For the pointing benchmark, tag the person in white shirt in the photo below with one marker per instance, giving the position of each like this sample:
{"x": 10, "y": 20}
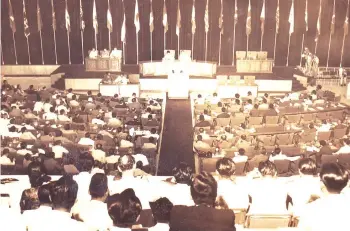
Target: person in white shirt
{"x": 51, "y": 115}
{"x": 277, "y": 155}
{"x": 5, "y": 159}
{"x": 215, "y": 99}
{"x": 99, "y": 154}
{"x": 59, "y": 150}
{"x": 235, "y": 196}
{"x": 63, "y": 196}
{"x": 286, "y": 98}
{"x": 126, "y": 143}
{"x": 345, "y": 149}
{"x": 94, "y": 213}
{"x": 86, "y": 140}
{"x": 23, "y": 151}
{"x": 47, "y": 106}
{"x": 325, "y": 127}
{"x": 331, "y": 211}
{"x": 69, "y": 94}
{"x": 86, "y": 162}
{"x": 38, "y": 106}
{"x": 98, "y": 120}
{"x": 63, "y": 117}
{"x": 154, "y": 105}
{"x": 161, "y": 209}
{"x": 248, "y": 107}
{"x": 151, "y": 144}
{"x": 200, "y": 145}
{"x": 74, "y": 102}
{"x": 115, "y": 53}
{"x": 200, "y": 100}
{"x": 93, "y": 54}
{"x": 13, "y": 132}
{"x": 26, "y": 135}
{"x": 240, "y": 156}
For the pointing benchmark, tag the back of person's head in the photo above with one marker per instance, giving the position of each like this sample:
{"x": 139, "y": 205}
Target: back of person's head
{"x": 87, "y": 135}
{"x": 64, "y": 193}
{"x": 271, "y": 106}
{"x": 250, "y": 101}
{"x": 237, "y": 95}
{"x": 225, "y": 167}
{"x": 151, "y": 140}
{"x": 267, "y": 168}
{"x": 323, "y": 143}
{"x": 98, "y": 187}
{"x": 263, "y": 151}
{"x": 334, "y": 176}
{"x": 86, "y": 162}
{"x": 256, "y": 106}
{"x": 307, "y": 166}
{"x": 238, "y": 102}
{"x": 223, "y": 109}
{"x": 67, "y": 127}
{"x": 150, "y": 117}
{"x": 52, "y": 109}
{"x": 204, "y": 189}
{"x": 199, "y": 96}
{"x": 161, "y": 210}
{"x": 201, "y": 117}
{"x": 126, "y": 162}
{"x": 264, "y": 100}
{"x": 36, "y": 174}
{"x": 219, "y": 104}
{"x": 199, "y": 137}
{"x": 29, "y": 199}
{"x": 124, "y": 208}
{"x": 99, "y": 146}
{"x": 277, "y": 151}
{"x": 23, "y": 145}
{"x": 183, "y": 173}
{"x": 347, "y": 141}
{"x": 50, "y": 155}
{"x": 44, "y": 194}
{"x": 153, "y": 131}
{"x": 243, "y": 137}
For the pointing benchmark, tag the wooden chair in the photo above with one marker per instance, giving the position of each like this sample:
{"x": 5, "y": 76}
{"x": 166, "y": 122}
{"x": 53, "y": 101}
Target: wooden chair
{"x": 324, "y": 135}
{"x": 284, "y": 139}
{"x": 293, "y": 119}
{"x": 344, "y": 159}
{"x": 240, "y": 168}
{"x": 339, "y": 133}
{"x": 308, "y": 118}
{"x": 271, "y": 120}
{"x": 223, "y": 122}
{"x": 328, "y": 159}
{"x": 282, "y": 166}
{"x": 255, "y": 120}
{"x": 208, "y": 164}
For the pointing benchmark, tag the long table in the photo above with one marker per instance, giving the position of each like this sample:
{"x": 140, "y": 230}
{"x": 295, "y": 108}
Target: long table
{"x": 125, "y": 90}
{"x": 254, "y": 66}
{"x": 162, "y": 68}
{"x": 103, "y": 64}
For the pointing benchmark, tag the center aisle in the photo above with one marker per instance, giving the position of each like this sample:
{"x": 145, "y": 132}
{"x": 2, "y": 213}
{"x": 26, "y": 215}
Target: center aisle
{"x": 177, "y": 139}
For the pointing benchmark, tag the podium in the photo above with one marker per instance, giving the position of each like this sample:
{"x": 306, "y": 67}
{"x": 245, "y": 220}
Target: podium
{"x": 178, "y": 81}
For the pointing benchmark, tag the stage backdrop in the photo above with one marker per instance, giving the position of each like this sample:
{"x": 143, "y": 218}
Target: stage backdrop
{"x": 208, "y": 47}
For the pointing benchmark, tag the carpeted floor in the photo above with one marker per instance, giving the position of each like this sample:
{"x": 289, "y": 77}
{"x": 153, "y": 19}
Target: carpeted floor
{"x": 177, "y": 137}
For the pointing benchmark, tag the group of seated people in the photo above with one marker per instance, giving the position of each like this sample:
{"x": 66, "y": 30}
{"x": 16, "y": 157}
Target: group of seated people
{"x": 186, "y": 201}
{"x": 93, "y": 54}
{"x": 56, "y": 127}
{"x": 223, "y": 127}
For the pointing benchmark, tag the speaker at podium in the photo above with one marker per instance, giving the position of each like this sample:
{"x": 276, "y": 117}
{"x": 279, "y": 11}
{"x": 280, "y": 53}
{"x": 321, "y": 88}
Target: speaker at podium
{"x": 178, "y": 82}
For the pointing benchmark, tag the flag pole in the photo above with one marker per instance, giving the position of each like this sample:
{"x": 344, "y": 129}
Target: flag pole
{"x": 192, "y": 46}
{"x": 261, "y": 42}
{"x": 151, "y": 35}
{"x": 220, "y": 50}
{"x": 14, "y": 46}
{"x": 302, "y": 47}
{"x": 137, "y": 48}
{"x": 342, "y": 48}
{"x": 288, "y": 50}
{"x": 206, "y": 45}
{"x": 2, "y": 55}
{"x": 68, "y": 47}
{"x": 330, "y": 34}
{"x": 233, "y": 45}
{"x": 95, "y": 40}
{"x": 276, "y": 32}
{"x": 54, "y": 30}
{"x": 247, "y": 42}
{"x": 124, "y": 52}
{"x": 41, "y": 46}
{"x": 28, "y": 50}
{"x": 82, "y": 45}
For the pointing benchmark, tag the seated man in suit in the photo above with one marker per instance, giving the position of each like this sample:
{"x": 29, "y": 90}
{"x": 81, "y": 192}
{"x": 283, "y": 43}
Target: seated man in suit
{"x": 331, "y": 211}
{"x": 203, "y": 216}
{"x": 255, "y": 111}
{"x": 324, "y": 150}
{"x": 223, "y": 113}
{"x": 270, "y": 111}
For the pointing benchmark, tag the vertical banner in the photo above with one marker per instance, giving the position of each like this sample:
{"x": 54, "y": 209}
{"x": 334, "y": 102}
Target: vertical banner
{"x": 165, "y": 23}
{"x": 306, "y": 29}
{"x": 151, "y": 27}
{"x": 40, "y": 26}
{"x": 82, "y": 27}
{"x": 221, "y": 26}
{"x": 332, "y": 32}
{"x": 178, "y": 26}
{"x": 206, "y": 23}
{"x": 54, "y": 28}
{"x": 13, "y": 28}
{"x": 194, "y": 26}
{"x": 291, "y": 28}
{"x": 95, "y": 22}
{"x": 248, "y": 25}
{"x": 137, "y": 27}
{"x": 262, "y": 26}
{"x": 109, "y": 25}
{"x": 235, "y": 18}
{"x": 67, "y": 19}
{"x": 277, "y": 28}
{"x": 346, "y": 32}
{"x": 123, "y": 33}
{"x": 318, "y": 27}
{"x": 26, "y": 29}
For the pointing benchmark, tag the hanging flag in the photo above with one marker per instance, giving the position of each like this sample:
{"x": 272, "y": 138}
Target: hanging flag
{"x": 346, "y": 26}
{"x": 262, "y": 18}
{"x": 67, "y": 19}
{"x": 178, "y": 19}
{"x": 248, "y": 26}
{"x": 206, "y": 18}
{"x": 94, "y": 18}
{"x": 318, "y": 26}
{"x": 306, "y": 16}
{"x": 151, "y": 19}
{"x": 333, "y": 20}
{"x": 123, "y": 30}
{"x": 291, "y": 19}
{"x": 165, "y": 18}
{"x": 221, "y": 19}
{"x": 109, "y": 19}
{"x": 53, "y": 16}
{"x": 25, "y": 21}
{"x": 193, "y": 19}
{"x": 137, "y": 17}
{"x": 236, "y": 13}
{"x": 12, "y": 18}
{"x": 82, "y": 22}
{"x": 38, "y": 15}
{"x": 278, "y": 17}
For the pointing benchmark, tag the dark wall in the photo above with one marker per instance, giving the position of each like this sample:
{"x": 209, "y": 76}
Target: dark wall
{"x": 213, "y": 38}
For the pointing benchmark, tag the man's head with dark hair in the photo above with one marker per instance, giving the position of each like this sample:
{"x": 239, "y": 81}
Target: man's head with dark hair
{"x": 277, "y": 151}
{"x": 44, "y": 194}
{"x": 223, "y": 109}
{"x": 334, "y": 176}
{"x": 64, "y": 193}
{"x": 204, "y": 189}
{"x": 29, "y": 200}
{"x": 23, "y": 145}
{"x": 201, "y": 117}
{"x": 86, "y": 162}
{"x": 199, "y": 137}
{"x": 219, "y": 104}
{"x": 323, "y": 143}
{"x": 126, "y": 162}
{"x": 241, "y": 151}
{"x": 237, "y": 96}
{"x": 307, "y": 166}
{"x": 267, "y": 168}
{"x": 124, "y": 208}
{"x": 183, "y": 173}
{"x": 256, "y": 106}
{"x": 36, "y": 174}
{"x": 264, "y": 100}
{"x": 225, "y": 167}
{"x": 161, "y": 210}
{"x": 238, "y": 102}
{"x": 271, "y": 106}
{"x": 98, "y": 187}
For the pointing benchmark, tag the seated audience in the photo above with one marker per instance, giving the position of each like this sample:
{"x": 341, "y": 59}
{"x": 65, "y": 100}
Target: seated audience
{"x": 161, "y": 209}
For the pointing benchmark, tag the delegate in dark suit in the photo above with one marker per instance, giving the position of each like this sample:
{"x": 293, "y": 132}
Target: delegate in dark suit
{"x": 201, "y": 218}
